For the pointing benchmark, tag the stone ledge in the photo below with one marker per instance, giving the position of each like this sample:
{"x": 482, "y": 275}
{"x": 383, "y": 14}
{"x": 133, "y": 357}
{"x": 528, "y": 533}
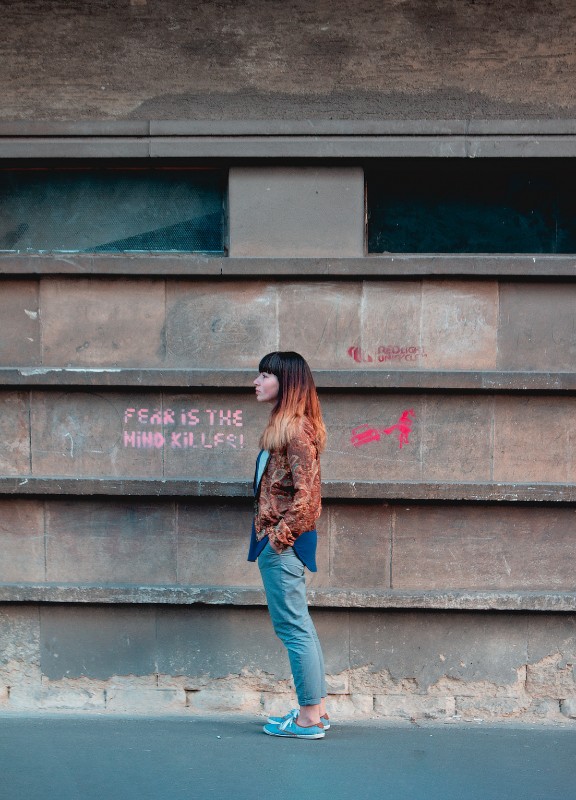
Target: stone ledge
{"x": 374, "y": 378}
{"x": 383, "y": 491}
{"x": 451, "y": 600}
{"x": 287, "y": 127}
{"x": 373, "y": 266}
{"x": 292, "y": 144}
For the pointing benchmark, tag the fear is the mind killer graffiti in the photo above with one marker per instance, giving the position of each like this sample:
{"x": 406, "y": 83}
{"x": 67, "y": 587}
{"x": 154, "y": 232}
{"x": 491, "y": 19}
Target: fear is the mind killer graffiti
{"x": 183, "y": 428}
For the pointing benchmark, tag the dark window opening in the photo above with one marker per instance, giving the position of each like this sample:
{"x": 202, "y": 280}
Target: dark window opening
{"x": 111, "y": 209}
{"x": 472, "y": 206}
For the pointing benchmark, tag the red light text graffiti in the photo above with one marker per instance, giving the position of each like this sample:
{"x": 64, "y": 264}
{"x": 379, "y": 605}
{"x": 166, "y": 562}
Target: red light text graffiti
{"x": 386, "y": 353}
{"x": 364, "y": 434}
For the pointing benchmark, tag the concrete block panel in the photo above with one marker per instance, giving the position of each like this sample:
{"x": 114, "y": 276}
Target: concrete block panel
{"x": 19, "y": 323}
{"x": 471, "y": 547}
{"x": 357, "y": 442}
{"x": 200, "y": 435}
{"x": 456, "y": 436}
{"x": 85, "y": 433}
{"x": 319, "y": 320}
{"x": 296, "y": 211}
{"x": 229, "y": 325}
{"x": 459, "y": 322}
{"x": 333, "y": 627}
{"x": 111, "y": 541}
{"x": 95, "y": 323}
{"x": 213, "y": 544}
{"x": 21, "y": 540}
{"x": 391, "y": 327}
{"x": 537, "y": 328}
{"x": 426, "y": 647}
{"x": 97, "y": 642}
{"x": 360, "y": 545}
{"x": 144, "y": 700}
{"x": 52, "y": 697}
{"x": 218, "y": 642}
{"x": 19, "y": 641}
{"x": 14, "y": 433}
{"x": 415, "y": 325}
{"x": 557, "y": 636}
{"x": 534, "y": 439}
{"x": 552, "y": 657}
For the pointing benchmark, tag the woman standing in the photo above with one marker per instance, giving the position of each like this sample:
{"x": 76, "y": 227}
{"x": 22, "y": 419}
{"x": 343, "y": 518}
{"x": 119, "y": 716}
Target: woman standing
{"x": 287, "y": 505}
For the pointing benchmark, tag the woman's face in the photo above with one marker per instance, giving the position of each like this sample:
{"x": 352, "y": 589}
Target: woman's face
{"x": 267, "y": 387}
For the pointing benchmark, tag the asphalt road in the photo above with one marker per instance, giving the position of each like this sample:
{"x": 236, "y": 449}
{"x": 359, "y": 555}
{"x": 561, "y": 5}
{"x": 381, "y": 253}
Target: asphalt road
{"x": 120, "y": 758}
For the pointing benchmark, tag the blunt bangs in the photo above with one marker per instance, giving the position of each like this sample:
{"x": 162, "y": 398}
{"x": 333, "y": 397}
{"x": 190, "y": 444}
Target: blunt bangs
{"x": 271, "y": 363}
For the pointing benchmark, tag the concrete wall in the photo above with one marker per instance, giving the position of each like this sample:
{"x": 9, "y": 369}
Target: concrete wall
{"x": 129, "y": 430}
{"x": 405, "y": 664}
{"x": 252, "y": 59}
{"x": 128, "y": 426}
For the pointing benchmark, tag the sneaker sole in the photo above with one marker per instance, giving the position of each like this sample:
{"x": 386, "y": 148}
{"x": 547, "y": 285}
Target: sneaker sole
{"x": 296, "y": 735}
{"x": 277, "y": 722}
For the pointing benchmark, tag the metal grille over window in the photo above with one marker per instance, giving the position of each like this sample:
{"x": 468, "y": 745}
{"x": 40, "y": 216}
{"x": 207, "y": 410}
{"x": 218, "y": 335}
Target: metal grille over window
{"x": 472, "y": 206}
{"x": 111, "y": 210}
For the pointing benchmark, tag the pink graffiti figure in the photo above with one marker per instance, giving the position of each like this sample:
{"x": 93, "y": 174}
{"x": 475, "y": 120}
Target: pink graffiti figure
{"x": 363, "y": 434}
{"x": 403, "y": 426}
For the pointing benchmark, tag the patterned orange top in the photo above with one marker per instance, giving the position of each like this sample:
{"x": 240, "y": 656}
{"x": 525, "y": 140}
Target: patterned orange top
{"x": 288, "y": 502}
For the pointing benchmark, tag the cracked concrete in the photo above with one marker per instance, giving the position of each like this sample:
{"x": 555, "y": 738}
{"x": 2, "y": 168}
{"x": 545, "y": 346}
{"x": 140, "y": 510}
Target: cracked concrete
{"x": 354, "y": 693}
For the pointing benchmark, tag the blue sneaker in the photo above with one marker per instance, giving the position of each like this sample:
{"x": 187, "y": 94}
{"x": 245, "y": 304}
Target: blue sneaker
{"x": 293, "y": 714}
{"x": 292, "y": 730}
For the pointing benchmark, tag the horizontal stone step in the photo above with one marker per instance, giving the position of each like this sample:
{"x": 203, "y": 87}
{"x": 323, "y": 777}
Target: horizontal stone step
{"x": 280, "y": 145}
{"x": 491, "y": 492}
{"x": 371, "y": 266}
{"x": 374, "y": 378}
{"x": 286, "y": 127}
{"x": 321, "y": 598}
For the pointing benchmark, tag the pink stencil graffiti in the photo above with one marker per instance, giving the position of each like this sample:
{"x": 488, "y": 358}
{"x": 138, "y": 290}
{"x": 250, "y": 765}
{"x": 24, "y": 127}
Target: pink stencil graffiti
{"x": 182, "y": 440}
{"x": 186, "y": 416}
{"x": 364, "y": 434}
{"x": 175, "y": 427}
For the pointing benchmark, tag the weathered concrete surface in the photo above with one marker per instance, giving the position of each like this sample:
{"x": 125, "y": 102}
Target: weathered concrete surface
{"x": 181, "y": 265}
{"x": 364, "y": 549}
{"x": 397, "y": 664}
{"x": 254, "y": 59}
{"x": 116, "y": 594}
{"x": 380, "y": 436}
{"x": 374, "y": 324}
{"x": 557, "y": 383}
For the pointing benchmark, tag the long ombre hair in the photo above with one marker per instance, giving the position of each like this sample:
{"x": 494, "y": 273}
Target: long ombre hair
{"x": 297, "y": 398}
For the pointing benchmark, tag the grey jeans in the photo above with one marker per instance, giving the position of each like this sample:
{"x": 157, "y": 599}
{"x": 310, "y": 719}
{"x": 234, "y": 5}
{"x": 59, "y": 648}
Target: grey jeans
{"x": 285, "y": 587}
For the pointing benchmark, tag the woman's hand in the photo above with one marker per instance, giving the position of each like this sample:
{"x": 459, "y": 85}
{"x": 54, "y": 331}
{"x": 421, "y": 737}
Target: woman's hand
{"x": 278, "y": 548}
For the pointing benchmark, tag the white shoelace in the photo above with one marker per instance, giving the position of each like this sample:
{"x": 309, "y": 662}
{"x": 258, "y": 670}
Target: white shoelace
{"x": 289, "y": 717}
